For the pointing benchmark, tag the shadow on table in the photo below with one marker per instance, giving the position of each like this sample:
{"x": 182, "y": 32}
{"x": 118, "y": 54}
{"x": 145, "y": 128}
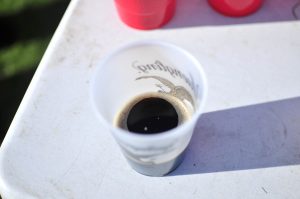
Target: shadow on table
{"x": 191, "y": 13}
{"x": 257, "y": 136}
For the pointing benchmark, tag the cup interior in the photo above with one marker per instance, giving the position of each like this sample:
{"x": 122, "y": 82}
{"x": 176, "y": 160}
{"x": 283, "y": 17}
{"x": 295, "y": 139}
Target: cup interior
{"x": 147, "y": 67}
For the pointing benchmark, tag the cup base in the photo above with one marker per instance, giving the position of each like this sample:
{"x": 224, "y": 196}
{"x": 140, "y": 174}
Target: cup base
{"x": 236, "y": 8}
{"x": 146, "y": 21}
{"x": 158, "y": 170}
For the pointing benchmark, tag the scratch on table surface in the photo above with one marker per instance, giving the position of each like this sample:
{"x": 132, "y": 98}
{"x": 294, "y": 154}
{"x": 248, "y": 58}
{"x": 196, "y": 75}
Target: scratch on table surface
{"x": 74, "y": 160}
{"x": 285, "y": 131}
{"x": 63, "y": 190}
{"x": 101, "y": 181}
{"x": 102, "y": 177}
{"x": 12, "y": 171}
{"x": 61, "y": 59}
{"x": 264, "y": 190}
{"x": 75, "y": 112}
{"x": 35, "y": 106}
{"x": 195, "y": 191}
{"x": 92, "y": 61}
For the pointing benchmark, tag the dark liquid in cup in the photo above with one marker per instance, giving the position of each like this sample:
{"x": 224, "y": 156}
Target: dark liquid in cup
{"x": 151, "y": 114}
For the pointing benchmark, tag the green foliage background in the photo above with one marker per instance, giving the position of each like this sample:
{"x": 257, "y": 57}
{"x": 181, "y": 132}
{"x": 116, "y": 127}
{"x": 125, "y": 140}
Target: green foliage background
{"x": 26, "y": 27}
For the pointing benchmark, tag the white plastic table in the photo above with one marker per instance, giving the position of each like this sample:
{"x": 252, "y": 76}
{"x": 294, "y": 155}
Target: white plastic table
{"x": 246, "y": 145}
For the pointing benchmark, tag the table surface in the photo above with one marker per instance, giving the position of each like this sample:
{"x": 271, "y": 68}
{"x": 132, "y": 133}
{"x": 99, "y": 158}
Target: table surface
{"x": 246, "y": 144}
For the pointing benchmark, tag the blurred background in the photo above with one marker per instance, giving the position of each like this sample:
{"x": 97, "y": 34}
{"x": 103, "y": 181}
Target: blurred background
{"x": 26, "y": 27}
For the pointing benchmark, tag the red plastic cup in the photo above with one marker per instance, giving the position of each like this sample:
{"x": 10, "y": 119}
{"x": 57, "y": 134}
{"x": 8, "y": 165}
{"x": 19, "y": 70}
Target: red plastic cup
{"x": 236, "y": 8}
{"x": 145, "y": 14}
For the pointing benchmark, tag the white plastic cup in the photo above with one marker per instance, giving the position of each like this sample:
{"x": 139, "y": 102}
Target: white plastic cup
{"x": 149, "y": 67}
